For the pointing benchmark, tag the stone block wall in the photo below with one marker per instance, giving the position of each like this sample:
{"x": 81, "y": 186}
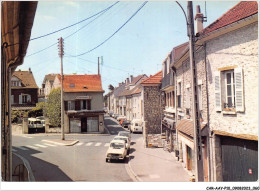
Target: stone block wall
{"x": 152, "y": 111}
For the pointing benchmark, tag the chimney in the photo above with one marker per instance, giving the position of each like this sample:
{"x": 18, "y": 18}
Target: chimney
{"x": 30, "y": 70}
{"x": 127, "y": 80}
{"x": 199, "y": 20}
{"x": 131, "y": 78}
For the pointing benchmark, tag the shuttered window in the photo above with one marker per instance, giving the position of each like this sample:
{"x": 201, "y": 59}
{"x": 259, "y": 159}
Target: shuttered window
{"x": 232, "y": 96}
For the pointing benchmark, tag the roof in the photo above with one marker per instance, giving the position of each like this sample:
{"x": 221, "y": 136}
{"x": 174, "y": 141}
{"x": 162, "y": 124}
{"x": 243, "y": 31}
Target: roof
{"x": 155, "y": 79}
{"x": 27, "y": 79}
{"x": 240, "y": 11}
{"x": 137, "y": 78}
{"x": 186, "y": 126}
{"x": 82, "y": 83}
{"x": 118, "y": 90}
{"x": 49, "y": 77}
{"x": 179, "y": 50}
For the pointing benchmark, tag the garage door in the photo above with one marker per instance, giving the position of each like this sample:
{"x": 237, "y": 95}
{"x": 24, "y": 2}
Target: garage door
{"x": 75, "y": 125}
{"x": 239, "y": 159}
{"x": 92, "y": 124}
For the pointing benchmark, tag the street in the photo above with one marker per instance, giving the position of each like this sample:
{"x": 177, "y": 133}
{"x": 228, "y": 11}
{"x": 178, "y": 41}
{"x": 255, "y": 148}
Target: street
{"x": 84, "y": 161}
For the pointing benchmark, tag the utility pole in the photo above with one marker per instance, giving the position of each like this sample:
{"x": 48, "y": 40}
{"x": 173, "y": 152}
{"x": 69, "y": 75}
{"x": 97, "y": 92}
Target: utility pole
{"x": 196, "y": 114}
{"x": 61, "y": 53}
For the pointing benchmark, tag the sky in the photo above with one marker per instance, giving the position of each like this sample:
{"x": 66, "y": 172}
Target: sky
{"x": 138, "y": 48}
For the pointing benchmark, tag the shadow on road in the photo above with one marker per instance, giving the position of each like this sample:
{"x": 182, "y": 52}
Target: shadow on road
{"x": 133, "y": 143}
{"x": 131, "y": 150}
{"x": 113, "y": 126}
{"x": 42, "y": 170}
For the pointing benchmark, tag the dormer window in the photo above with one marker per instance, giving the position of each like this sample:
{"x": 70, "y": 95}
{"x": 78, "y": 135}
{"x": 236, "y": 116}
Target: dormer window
{"x": 85, "y": 87}
{"x": 15, "y": 83}
{"x": 72, "y": 85}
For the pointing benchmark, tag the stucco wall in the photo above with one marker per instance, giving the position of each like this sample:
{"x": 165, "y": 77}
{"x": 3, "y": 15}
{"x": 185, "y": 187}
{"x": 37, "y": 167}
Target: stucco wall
{"x": 96, "y": 101}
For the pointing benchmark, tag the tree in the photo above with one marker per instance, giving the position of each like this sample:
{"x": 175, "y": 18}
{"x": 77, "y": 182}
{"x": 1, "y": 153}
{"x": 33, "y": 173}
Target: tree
{"x": 110, "y": 87}
{"x": 54, "y": 107}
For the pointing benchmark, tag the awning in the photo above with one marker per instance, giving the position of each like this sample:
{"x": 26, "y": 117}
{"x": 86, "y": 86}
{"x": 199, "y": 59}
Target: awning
{"x": 186, "y": 126}
{"x": 239, "y": 136}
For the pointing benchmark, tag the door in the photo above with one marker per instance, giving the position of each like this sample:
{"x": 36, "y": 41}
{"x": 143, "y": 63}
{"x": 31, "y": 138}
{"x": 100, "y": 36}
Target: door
{"x": 205, "y": 158}
{"x": 189, "y": 157}
{"x": 84, "y": 124}
{"x": 92, "y": 124}
{"x": 75, "y": 125}
{"x": 239, "y": 159}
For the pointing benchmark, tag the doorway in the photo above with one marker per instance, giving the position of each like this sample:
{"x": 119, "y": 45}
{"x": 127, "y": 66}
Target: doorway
{"x": 84, "y": 124}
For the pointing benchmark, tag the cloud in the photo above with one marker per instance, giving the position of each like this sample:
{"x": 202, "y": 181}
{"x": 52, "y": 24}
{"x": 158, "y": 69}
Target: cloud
{"x": 71, "y": 3}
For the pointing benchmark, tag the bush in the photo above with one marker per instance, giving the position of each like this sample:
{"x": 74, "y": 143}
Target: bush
{"x": 53, "y": 108}
{"x": 16, "y": 115}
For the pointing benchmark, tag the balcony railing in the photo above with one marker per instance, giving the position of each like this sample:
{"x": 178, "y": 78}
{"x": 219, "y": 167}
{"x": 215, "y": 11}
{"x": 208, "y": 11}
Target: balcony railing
{"x": 167, "y": 80}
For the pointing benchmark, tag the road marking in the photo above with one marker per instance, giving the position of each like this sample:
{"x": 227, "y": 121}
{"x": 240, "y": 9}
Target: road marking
{"x": 154, "y": 176}
{"x": 50, "y": 145}
{"x": 79, "y": 144}
{"x": 27, "y": 137}
{"x": 97, "y": 144}
{"x": 23, "y": 148}
{"x": 38, "y": 145}
{"x": 14, "y": 150}
{"x": 88, "y": 144}
{"x": 32, "y": 147}
{"x": 107, "y": 144}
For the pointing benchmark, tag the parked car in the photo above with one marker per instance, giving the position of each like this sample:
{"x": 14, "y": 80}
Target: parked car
{"x": 111, "y": 113}
{"x": 42, "y": 120}
{"x": 115, "y": 115}
{"x": 136, "y": 126}
{"x": 125, "y": 134}
{"x": 117, "y": 150}
{"x": 119, "y": 118}
{"x": 35, "y": 125}
{"x": 126, "y": 139}
{"x": 126, "y": 123}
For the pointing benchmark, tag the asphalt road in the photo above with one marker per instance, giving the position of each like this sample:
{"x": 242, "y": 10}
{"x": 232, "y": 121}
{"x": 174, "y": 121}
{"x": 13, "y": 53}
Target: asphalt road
{"x": 85, "y": 161}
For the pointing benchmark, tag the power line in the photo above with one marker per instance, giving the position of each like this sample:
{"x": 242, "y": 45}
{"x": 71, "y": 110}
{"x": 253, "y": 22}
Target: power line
{"x": 113, "y": 33}
{"x": 74, "y": 32}
{"x": 69, "y": 25}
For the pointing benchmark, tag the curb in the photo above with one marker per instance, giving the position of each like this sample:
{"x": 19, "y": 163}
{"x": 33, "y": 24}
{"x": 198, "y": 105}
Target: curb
{"x": 132, "y": 172}
{"x": 64, "y": 144}
{"x": 27, "y": 166}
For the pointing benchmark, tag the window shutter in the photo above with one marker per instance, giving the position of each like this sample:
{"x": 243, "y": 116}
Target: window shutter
{"x": 81, "y": 104}
{"x": 20, "y": 99}
{"x": 239, "y": 89}
{"x": 29, "y": 98}
{"x": 217, "y": 92}
{"x": 66, "y": 105}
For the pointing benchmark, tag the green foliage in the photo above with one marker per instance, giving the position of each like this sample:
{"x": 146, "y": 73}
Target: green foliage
{"x": 43, "y": 106}
{"x": 16, "y": 116}
{"x": 54, "y": 107}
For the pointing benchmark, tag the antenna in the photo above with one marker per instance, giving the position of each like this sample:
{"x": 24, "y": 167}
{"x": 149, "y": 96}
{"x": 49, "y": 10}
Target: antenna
{"x": 205, "y": 18}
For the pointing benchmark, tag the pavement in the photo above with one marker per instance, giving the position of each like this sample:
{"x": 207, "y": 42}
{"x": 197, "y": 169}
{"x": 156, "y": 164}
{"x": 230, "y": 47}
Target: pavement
{"x": 155, "y": 164}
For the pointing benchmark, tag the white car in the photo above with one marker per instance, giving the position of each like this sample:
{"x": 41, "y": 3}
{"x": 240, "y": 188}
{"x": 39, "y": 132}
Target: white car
{"x": 125, "y": 134}
{"x": 126, "y": 139}
{"x": 117, "y": 150}
{"x": 136, "y": 126}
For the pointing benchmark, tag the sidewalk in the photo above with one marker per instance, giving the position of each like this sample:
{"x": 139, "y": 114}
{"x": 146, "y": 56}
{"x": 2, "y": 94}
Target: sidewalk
{"x": 155, "y": 164}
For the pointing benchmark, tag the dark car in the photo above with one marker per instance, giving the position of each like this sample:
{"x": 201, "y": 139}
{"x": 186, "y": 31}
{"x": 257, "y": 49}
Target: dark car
{"x": 126, "y": 123}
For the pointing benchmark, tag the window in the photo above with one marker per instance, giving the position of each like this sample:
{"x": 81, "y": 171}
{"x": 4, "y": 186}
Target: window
{"x": 179, "y": 94}
{"x": 15, "y": 83}
{"x": 24, "y": 98}
{"x": 229, "y": 87}
{"x": 188, "y": 96}
{"x": 71, "y": 105}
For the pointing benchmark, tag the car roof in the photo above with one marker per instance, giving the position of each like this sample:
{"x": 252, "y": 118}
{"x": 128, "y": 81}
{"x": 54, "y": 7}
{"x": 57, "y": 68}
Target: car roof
{"x": 117, "y": 141}
{"x": 119, "y": 137}
{"x": 124, "y": 132}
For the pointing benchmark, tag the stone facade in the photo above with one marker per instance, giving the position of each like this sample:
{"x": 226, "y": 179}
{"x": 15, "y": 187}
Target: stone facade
{"x": 153, "y": 109}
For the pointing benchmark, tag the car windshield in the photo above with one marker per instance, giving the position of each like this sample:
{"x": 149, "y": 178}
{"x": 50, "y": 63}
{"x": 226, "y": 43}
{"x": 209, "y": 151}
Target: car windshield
{"x": 121, "y": 138}
{"x": 37, "y": 122}
{"x": 117, "y": 145}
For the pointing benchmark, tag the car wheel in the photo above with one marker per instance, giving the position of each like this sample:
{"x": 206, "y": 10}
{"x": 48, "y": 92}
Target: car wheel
{"x": 106, "y": 160}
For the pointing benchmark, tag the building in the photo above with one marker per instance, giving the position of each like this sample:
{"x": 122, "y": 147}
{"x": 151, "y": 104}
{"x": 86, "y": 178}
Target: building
{"x": 152, "y": 106}
{"x": 17, "y": 20}
{"x": 83, "y": 103}
{"x": 227, "y": 84}
{"x": 24, "y": 90}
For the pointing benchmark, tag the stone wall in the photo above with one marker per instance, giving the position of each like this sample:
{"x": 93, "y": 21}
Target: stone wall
{"x": 152, "y": 113}
{"x": 238, "y": 48}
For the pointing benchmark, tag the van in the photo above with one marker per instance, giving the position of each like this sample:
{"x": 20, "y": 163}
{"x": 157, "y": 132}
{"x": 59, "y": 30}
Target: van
{"x": 136, "y": 126}
{"x": 35, "y": 125}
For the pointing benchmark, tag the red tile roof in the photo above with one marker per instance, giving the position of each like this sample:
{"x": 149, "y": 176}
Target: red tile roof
{"x": 27, "y": 79}
{"x": 240, "y": 11}
{"x": 82, "y": 83}
{"x": 155, "y": 79}
{"x": 186, "y": 126}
